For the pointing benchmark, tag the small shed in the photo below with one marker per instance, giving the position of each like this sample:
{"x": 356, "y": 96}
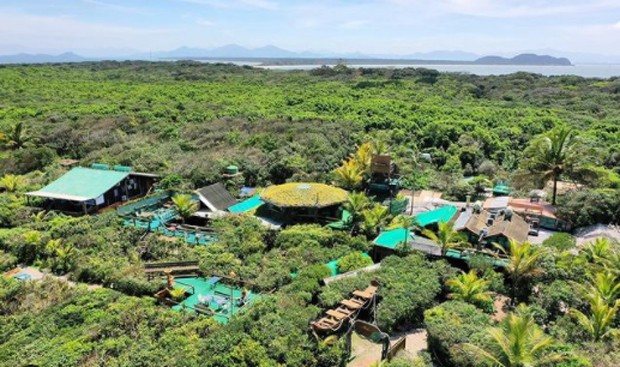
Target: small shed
{"x": 214, "y": 198}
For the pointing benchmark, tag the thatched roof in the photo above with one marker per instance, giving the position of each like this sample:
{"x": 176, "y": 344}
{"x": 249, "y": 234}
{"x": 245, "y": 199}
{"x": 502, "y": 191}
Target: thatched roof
{"x": 303, "y": 194}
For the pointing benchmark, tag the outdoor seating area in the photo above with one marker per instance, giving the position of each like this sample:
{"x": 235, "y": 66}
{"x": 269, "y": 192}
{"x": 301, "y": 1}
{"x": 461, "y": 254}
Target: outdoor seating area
{"x": 214, "y": 296}
{"x": 157, "y": 214}
{"x": 348, "y": 309}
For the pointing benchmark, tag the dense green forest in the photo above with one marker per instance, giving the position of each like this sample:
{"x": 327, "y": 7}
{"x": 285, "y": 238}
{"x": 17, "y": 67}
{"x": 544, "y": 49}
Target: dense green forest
{"x": 186, "y": 121}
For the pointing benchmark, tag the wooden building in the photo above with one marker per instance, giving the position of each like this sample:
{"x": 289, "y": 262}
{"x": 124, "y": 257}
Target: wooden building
{"x": 87, "y": 190}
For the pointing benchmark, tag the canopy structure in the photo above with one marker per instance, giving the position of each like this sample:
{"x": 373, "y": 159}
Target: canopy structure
{"x": 392, "y": 238}
{"x": 304, "y": 195}
{"x": 247, "y": 205}
{"x": 441, "y": 215}
{"x": 501, "y": 189}
{"x": 81, "y": 184}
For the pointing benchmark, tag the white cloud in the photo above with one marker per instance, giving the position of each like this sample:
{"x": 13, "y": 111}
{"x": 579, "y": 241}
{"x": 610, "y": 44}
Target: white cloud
{"x": 617, "y": 25}
{"x": 66, "y": 33}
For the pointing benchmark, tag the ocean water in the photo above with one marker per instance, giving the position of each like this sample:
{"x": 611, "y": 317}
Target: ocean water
{"x": 584, "y": 70}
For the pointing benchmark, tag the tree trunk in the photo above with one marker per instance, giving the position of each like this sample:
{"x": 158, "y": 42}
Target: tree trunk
{"x": 555, "y": 189}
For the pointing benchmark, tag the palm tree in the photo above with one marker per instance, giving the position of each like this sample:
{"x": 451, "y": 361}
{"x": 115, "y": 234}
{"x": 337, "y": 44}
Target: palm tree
{"x": 522, "y": 264}
{"x": 177, "y": 293}
{"x": 379, "y": 146}
{"x": 38, "y": 217}
{"x": 601, "y": 318}
{"x": 350, "y": 175}
{"x": 356, "y": 203}
{"x": 363, "y": 157}
{"x": 52, "y": 245}
{"x": 403, "y": 221}
{"x": 470, "y": 288}
{"x": 17, "y": 137}
{"x": 612, "y": 263}
{"x": 185, "y": 205}
{"x": 12, "y": 183}
{"x": 374, "y": 218}
{"x": 446, "y": 237}
{"x": 63, "y": 255}
{"x": 554, "y": 154}
{"x": 597, "y": 250}
{"x": 517, "y": 342}
{"x": 605, "y": 284}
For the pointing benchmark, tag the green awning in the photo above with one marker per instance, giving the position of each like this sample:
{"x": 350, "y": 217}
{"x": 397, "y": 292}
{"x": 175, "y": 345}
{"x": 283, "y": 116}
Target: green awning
{"x": 81, "y": 184}
{"x": 390, "y": 239}
{"x": 443, "y": 214}
{"x": 247, "y": 205}
{"x": 501, "y": 189}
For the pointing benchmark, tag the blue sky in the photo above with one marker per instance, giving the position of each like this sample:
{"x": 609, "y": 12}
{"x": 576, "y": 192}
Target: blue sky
{"x": 96, "y": 27}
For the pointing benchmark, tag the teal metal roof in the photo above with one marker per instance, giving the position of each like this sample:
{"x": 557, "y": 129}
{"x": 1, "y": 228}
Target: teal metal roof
{"x": 501, "y": 189}
{"x": 247, "y": 205}
{"x": 443, "y": 214}
{"x": 81, "y": 184}
{"x": 390, "y": 239}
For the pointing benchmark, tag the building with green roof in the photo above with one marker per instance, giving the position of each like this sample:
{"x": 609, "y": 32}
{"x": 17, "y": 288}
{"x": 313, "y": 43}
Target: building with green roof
{"x": 440, "y": 215}
{"x": 86, "y": 190}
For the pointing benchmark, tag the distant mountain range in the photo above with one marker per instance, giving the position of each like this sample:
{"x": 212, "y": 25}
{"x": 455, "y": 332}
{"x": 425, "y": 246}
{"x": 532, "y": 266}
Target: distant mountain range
{"x": 523, "y": 59}
{"x": 41, "y": 58}
{"x": 235, "y": 52}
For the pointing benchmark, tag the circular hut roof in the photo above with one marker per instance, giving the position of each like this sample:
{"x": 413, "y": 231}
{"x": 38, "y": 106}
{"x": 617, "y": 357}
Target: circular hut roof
{"x": 303, "y": 194}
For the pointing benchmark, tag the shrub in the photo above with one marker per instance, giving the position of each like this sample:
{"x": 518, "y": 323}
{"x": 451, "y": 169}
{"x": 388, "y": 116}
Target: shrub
{"x": 560, "y": 241}
{"x": 353, "y": 261}
{"x": 449, "y": 326}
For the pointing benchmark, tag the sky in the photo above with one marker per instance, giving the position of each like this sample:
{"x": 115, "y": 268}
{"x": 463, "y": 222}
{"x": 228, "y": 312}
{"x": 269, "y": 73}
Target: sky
{"x": 398, "y": 27}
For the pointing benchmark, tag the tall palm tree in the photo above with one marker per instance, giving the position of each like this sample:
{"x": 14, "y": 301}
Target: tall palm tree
{"x": 523, "y": 263}
{"x": 12, "y": 183}
{"x": 517, "y": 342}
{"x": 602, "y": 315}
{"x": 550, "y": 156}
{"x": 446, "y": 237}
{"x": 356, "y": 203}
{"x": 185, "y": 205}
{"x": 350, "y": 175}
{"x": 470, "y": 288}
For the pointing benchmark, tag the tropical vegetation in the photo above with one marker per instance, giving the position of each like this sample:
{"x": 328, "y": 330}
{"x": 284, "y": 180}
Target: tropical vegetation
{"x": 186, "y": 121}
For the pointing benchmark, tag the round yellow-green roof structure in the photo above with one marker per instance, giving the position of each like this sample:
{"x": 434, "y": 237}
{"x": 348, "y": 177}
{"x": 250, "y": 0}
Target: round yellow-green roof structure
{"x": 304, "y": 195}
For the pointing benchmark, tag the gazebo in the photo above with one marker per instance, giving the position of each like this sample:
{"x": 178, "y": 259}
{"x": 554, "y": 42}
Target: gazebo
{"x": 304, "y": 201}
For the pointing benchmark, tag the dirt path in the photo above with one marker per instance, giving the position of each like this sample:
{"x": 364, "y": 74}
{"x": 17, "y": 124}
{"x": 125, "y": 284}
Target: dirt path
{"x": 36, "y": 274}
{"x": 500, "y": 303}
{"x": 363, "y": 351}
{"x": 416, "y": 341}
